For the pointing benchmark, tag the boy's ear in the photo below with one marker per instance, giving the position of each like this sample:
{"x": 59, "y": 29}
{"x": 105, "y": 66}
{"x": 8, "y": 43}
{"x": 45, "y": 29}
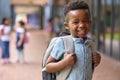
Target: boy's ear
{"x": 66, "y": 25}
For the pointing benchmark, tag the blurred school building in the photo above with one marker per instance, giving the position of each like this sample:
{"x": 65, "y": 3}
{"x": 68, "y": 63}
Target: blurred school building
{"x": 105, "y": 18}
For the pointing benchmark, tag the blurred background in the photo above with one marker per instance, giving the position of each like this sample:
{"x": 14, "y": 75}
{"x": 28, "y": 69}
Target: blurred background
{"x": 36, "y": 14}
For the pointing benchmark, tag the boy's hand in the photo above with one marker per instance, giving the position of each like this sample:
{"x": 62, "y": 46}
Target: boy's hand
{"x": 69, "y": 59}
{"x": 96, "y": 59}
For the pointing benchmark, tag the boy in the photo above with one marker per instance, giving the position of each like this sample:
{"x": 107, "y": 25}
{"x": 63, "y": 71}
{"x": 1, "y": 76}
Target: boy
{"x": 78, "y": 22}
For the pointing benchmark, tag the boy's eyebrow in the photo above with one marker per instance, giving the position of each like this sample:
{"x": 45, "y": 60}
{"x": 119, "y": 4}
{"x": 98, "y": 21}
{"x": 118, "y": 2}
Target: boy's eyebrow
{"x": 86, "y": 18}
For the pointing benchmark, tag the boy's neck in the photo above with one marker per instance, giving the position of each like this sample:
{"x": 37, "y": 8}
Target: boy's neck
{"x": 81, "y": 37}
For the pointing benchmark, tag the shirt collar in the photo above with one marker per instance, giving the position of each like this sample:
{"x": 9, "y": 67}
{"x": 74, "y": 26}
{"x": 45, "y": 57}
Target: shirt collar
{"x": 79, "y": 40}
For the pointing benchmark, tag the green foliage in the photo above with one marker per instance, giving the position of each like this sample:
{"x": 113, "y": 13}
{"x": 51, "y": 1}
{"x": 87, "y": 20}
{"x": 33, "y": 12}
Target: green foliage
{"x": 116, "y": 36}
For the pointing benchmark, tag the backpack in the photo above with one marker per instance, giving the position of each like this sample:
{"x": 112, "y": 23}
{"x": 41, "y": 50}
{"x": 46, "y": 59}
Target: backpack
{"x": 68, "y": 44}
{"x": 26, "y": 37}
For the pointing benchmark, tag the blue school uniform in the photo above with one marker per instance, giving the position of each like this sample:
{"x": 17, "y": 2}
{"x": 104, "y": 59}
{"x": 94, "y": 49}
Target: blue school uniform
{"x": 82, "y": 69}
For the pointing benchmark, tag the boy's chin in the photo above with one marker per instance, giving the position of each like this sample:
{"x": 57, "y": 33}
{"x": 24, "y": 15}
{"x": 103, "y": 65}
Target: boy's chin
{"x": 81, "y": 36}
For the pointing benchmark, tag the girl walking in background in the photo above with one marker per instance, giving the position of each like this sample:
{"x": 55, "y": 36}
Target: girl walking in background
{"x": 5, "y": 35}
{"x": 20, "y": 35}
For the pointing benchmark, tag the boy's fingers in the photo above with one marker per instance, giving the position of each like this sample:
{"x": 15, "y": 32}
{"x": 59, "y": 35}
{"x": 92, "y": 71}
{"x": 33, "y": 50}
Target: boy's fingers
{"x": 97, "y": 63}
{"x": 68, "y": 54}
{"x": 72, "y": 54}
{"x": 74, "y": 57}
{"x": 96, "y": 56}
{"x": 65, "y": 54}
{"x": 96, "y": 59}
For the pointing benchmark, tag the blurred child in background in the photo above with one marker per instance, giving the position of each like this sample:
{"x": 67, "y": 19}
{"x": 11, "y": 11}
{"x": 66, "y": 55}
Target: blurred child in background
{"x": 20, "y": 36}
{"x": 5, "y": 35}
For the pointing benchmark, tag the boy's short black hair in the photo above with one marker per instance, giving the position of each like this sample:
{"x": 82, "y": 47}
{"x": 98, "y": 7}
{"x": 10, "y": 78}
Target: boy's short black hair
{"x": 75, "y": 5}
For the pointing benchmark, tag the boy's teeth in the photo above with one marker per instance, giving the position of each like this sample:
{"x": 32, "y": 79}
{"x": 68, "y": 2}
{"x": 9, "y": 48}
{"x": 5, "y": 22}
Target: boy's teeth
{"x": 81, "y": 30}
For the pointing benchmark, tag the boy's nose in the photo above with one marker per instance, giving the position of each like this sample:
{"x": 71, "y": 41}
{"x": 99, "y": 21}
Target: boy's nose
{"x": 81, "y": 25}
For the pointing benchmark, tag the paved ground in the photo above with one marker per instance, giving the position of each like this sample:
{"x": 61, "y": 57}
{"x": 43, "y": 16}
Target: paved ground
{"x": 109, "y": 69}
{"x": 116, "y": 49}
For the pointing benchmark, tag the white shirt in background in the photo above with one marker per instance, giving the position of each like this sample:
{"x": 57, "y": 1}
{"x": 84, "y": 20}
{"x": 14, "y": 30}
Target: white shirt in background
{"x": 5, "y": 36}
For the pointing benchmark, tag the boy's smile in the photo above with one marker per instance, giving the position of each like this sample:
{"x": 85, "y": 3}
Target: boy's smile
{"x": 78, "y": 22}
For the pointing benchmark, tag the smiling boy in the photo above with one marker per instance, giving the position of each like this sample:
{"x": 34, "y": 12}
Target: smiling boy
{"x": 78, "y": 22}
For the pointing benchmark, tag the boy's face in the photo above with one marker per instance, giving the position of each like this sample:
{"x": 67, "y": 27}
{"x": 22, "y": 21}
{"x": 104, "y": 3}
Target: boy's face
{"x": 78, "y": 22}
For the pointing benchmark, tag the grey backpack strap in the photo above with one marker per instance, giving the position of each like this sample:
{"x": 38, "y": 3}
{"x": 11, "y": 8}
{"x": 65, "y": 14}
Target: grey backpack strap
{"x": 68, "y": 44}
{"x": 92, "y": 45}
{"x": 47, "y": 53}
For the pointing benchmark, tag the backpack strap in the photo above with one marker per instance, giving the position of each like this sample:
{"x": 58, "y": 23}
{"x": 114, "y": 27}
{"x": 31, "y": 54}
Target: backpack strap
{"x": 68, "y": 43}
{"x": 92, "y": 45}
{"x": 69, "y": 46}
{"x": 47, "y": 54}
{"x": 94, "y": 50}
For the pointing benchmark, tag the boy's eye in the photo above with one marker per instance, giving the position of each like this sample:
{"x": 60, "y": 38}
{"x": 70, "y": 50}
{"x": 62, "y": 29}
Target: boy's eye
{"x": 75, "y": 22}
{"x": 85, "y": 21}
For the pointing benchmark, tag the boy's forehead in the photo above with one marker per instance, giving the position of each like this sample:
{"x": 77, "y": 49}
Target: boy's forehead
{"x": 79, "y": 13}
